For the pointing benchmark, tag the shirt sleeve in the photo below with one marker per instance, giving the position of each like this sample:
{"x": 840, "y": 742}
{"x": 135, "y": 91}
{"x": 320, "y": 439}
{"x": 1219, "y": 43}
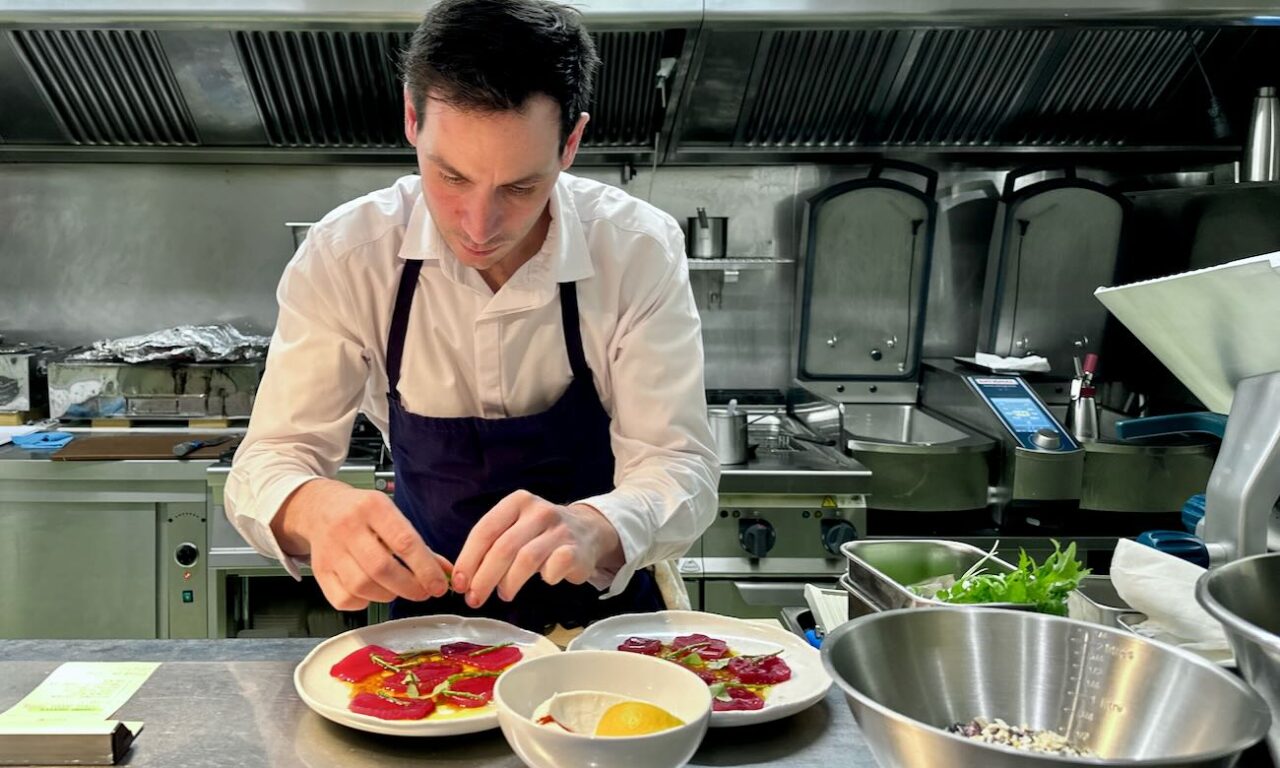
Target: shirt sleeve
{"x": 666, "y": 471}
{"x": 299, "y": 430}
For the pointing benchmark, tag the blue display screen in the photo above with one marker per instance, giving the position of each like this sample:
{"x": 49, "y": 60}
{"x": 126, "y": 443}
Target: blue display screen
{"x": 1022, "y": 413}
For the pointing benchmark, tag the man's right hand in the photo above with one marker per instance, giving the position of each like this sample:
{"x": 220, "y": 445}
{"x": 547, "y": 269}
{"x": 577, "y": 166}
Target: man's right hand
{"x": 354, "y": 538}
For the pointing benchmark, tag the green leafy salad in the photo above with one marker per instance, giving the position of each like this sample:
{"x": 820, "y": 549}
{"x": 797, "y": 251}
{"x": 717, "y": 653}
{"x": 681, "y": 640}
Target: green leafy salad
{"x": 1043, "y": 586}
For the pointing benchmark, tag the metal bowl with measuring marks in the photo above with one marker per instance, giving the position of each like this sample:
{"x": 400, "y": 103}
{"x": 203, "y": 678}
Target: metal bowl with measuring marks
{"x": 909, "y": 674}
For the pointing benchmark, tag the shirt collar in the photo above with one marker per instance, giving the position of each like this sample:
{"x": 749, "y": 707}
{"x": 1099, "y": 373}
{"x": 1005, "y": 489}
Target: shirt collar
{"x": 564, "y": 256}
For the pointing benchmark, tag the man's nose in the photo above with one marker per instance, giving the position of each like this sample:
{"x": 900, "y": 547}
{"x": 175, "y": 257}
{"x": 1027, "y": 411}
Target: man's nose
{"x": 481, "y": 221}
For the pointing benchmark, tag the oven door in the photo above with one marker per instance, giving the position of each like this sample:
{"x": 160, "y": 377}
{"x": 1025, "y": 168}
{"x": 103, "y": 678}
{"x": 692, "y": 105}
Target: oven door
{"x": 253, "y": 596}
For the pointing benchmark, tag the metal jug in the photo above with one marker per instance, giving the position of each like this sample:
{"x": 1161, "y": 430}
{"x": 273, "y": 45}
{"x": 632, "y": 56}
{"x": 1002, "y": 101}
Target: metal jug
{"x": 1262, "y": 148}
{"x": 707, "y": 235}
{"x": 729, "y": 427}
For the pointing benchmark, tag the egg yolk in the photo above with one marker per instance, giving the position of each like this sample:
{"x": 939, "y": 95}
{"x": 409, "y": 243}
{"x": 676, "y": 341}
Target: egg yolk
{"x": 635, "y": 718}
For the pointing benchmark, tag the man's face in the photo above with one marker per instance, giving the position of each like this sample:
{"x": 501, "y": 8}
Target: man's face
{"x": 487, "y": 176}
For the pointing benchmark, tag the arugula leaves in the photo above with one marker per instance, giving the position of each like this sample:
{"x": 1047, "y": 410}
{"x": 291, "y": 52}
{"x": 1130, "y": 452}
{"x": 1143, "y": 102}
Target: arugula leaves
{"x": 1044, "y": 586}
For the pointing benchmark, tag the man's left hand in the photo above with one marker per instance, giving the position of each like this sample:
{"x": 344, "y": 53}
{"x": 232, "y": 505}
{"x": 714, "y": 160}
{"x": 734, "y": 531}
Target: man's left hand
{"x": 525, "y": 534}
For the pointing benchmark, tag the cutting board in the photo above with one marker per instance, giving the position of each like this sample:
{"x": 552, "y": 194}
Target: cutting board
{"x": 155, "y": 445}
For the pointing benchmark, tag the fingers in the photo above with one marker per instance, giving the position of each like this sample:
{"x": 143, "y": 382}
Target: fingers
{"x": 562, "y": 565}
{"x": 378, "y": 573}
{"x": 368, "y": 552}
{"x": 336, "y": 594}
{"x": 358, "y": 583}
{"x": 528, "y": 561}
{"x": 423, "y": 573}
{"x": 483, "y": 535}
{"x": 502, "y": 556}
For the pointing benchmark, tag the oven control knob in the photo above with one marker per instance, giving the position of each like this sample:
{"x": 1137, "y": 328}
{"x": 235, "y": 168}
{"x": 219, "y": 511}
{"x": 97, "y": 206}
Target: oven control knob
{"x": 757, "y": 537}
{"x": 837, "y": 534}
{"x": 187, "y": 554}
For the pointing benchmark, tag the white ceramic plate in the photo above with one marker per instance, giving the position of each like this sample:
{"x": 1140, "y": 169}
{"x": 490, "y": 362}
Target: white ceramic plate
{"x": 329, "y": 696}
{"x": 809, "y": 680}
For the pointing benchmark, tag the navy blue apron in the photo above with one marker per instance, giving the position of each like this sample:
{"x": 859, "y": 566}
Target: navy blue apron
{"x": 451, "y": 471}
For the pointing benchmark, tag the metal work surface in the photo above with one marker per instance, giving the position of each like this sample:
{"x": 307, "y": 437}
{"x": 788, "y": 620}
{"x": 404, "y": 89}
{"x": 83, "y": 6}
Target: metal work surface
{"x": 232, "y": 702}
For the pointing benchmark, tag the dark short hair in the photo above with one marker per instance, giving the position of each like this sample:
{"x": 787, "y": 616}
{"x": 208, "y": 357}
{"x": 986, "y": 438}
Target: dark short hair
{"x": 492, "y": 55}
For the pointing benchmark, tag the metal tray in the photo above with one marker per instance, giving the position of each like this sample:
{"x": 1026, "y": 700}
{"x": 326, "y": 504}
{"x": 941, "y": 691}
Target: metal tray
{"x": 881, "y": 569}
{"x": 860, "y": 604}
{"x": 1096, "y": 601}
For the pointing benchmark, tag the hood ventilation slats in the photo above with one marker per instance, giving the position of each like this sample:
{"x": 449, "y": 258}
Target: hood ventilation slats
{"x": 964, "y": 86}
{"x": 960, "y": 87}
{"x": 1106, "y": 75}
{"x": 108, "y": 87}
{"x": 326, "y": 89}
{"x": 798, "y": 106}
{"x": 626, "y": 108}
{"x": 342, "y": 89}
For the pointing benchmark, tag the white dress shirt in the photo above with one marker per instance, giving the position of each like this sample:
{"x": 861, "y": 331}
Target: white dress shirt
{"x": 472, "y": 352}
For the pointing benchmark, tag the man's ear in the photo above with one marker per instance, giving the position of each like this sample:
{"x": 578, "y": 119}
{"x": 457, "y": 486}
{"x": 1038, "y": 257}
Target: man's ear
{"x": 410, "y": 119}
{"x": 573, "y": 142}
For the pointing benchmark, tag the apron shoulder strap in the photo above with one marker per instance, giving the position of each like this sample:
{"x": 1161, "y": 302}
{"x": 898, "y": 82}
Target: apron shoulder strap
{"x": 573, "y": 332}
{"x": 400, "y": 322}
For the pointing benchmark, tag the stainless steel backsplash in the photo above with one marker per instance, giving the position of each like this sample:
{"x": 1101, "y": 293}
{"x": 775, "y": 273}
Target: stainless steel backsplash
{"x": 89, "y": 251}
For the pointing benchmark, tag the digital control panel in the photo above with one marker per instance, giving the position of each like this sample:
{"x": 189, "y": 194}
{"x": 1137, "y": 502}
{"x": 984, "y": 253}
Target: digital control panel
{"x": 1022, "y": 413}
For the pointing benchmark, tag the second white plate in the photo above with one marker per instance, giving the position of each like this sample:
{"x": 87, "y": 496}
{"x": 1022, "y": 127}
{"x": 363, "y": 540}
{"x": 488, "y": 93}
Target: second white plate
{"x": 809, "y": 681}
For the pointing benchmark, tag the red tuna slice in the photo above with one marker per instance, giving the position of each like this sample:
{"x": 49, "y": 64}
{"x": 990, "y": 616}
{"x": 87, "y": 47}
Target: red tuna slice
{"x": 759, "y": 670}
{"x": 358, "y": 664}
{"x": 477, "y": 686}
{"x": 429, "y": 674}
{"x": 740, "y": 699}
{"x": 706, "y": 675}
{"x": 491, "y": 660}
{"x": 400, "y": 709}
{"x": 708, "y": 648}
{"x": 645, "y": 645}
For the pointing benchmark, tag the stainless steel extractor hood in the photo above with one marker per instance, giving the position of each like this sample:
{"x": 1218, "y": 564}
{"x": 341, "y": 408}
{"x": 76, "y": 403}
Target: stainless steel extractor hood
{"x": 280, "y": 81}
{"x": 684, "y": 81}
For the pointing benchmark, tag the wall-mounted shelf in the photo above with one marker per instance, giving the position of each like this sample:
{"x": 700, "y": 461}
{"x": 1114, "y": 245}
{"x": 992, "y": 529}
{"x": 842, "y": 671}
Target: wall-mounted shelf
{"x": 730, "y": 269}
{"x": 735, "y": 265}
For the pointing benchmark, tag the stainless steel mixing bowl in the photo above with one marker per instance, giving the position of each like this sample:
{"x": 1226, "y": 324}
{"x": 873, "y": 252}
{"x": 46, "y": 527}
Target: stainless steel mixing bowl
{"x": 909, "y": 674}
{"x": 1245, "y": 596}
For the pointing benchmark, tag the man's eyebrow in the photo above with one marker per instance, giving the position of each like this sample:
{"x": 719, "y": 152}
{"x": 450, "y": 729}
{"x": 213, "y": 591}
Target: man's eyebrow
{"x": 445, "y": 166}
{"x": 527, "y": 179}
{"x": 449, "y": 169}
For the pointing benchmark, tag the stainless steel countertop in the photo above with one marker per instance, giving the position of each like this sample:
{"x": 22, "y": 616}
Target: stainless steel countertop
{"x": 232, "y": 703}
{"x": 805, "y": 468}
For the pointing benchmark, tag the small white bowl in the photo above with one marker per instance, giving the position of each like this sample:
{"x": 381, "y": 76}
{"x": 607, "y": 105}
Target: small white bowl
{"x": 522, "y": 688}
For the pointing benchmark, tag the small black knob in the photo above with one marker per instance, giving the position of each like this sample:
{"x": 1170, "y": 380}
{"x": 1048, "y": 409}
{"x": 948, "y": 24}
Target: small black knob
{"x": 837, "y": 533}
{"x": 187, "y": 554}
{"x": 757, "y": 537}
{"x": 876, "y": 354}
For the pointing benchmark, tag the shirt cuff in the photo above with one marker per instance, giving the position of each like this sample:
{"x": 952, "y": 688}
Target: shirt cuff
{"x": 256, "y": 528}
{"x": 631, "y": 533}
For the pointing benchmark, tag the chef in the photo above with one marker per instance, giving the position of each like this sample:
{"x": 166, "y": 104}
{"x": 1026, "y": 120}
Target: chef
{"x": 526, "y": 341}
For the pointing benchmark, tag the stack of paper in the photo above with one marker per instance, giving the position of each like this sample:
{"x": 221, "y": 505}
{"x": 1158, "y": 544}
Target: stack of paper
{"x": 8, "y": 433}
{"x": 64, "y": 720}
